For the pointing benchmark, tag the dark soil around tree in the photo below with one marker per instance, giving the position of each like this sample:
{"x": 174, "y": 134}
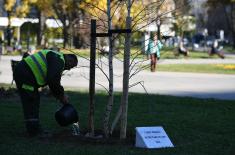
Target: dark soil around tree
{"x": 66, "y": 136}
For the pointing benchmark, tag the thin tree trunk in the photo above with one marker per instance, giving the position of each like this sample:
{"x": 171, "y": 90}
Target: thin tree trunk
{"x": 233, "y": 22}
{"x": 28, "y": 36}
{"x": 41, "y": 24}
{"x": 233, "y": 40}
{"x": 65, "y": 36}
{"x": 9, "y": 29}
{"x": 110, "y": 97}
{"x": 71, "y": 35}
{"x": 126, "y": 67}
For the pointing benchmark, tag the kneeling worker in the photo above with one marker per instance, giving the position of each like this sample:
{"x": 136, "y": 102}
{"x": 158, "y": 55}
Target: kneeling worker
{"x": 40, "y": 69}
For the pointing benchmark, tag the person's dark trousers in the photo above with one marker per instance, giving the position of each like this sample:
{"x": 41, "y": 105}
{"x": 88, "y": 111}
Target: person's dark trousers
{"x": 29, "y": 95}
{"x": 153, "y": 58}
{"x": 30, "y": 102}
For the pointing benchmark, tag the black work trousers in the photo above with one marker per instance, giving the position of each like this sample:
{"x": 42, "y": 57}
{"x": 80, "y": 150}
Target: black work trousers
{"x": 29, "y": 95}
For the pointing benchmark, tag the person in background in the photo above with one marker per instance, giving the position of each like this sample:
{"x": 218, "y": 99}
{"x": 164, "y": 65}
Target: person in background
{"x": 216, "y": 49}
{"x": 38, "y": 70}
{"x": 153, "y": 50}
{"x": 182, "y": 49}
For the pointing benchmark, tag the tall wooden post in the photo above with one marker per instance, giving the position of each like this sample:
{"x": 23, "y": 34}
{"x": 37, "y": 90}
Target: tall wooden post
{"x": 92, "y": 78}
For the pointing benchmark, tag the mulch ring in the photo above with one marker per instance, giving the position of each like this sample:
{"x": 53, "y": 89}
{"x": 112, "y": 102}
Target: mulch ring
{"x": 66, "y": 136}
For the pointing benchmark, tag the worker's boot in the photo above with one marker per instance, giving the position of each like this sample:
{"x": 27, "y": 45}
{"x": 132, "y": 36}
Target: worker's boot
{"x": 34, "y": 129}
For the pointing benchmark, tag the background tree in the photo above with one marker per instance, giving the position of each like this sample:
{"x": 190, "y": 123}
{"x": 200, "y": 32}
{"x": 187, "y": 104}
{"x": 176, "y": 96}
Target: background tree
{"x": 67, "y": 12}
{"x": 44, "y": 10}
{"x": 229, "y": 12}
{"x": 183, "y": 24}
{"x": 64, "y": 10}
{"x": 9, "y": 7}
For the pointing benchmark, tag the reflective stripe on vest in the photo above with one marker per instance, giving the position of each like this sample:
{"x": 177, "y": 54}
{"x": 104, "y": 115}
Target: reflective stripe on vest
{"x": 38, "y": 64}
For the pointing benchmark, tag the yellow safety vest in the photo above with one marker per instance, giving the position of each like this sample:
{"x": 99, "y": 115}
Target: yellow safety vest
{"x": 38, "y": 64}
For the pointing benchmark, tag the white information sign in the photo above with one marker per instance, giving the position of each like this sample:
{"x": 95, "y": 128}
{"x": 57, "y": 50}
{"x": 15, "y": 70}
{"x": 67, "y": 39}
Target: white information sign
{"x": 152, "y": 137}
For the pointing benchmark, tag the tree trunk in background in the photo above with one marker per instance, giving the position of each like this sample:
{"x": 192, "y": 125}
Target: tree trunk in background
{"x": 9, "y": 29}
{"x": 63, "y": 17}
{"x": 230, "y": 20}
{"x": 65, "y": 36}
{"x": 233, "y": 22}
{"x": 41, "y": 27}
{"x": 71, "y": 35}
{"x": 28, "y": 37}
{"x": 233, "y": 40}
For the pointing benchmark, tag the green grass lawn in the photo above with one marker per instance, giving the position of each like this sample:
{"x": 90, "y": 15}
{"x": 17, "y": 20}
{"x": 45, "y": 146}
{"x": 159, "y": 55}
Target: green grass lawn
{"x": 195, "y": 126}
{"x": 166, "y": 53}
{"x": 229, "y": 49}
{"x": 198, "y": 68}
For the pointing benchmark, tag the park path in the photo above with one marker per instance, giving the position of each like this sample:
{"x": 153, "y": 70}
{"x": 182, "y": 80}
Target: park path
{"x": 200, "y": 85}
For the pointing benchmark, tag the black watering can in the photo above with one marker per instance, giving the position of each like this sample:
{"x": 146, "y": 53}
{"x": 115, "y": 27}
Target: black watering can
{"x": 66, "y": 115}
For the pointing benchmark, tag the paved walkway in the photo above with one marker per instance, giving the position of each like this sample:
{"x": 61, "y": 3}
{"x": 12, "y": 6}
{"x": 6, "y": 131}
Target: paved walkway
{"x": 218, "y": 86}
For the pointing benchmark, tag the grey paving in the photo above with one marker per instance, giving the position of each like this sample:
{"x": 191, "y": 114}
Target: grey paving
{"x": 218, "y": 86}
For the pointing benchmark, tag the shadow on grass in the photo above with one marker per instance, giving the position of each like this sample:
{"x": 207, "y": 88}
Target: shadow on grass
{"x": 195, "y": 126}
